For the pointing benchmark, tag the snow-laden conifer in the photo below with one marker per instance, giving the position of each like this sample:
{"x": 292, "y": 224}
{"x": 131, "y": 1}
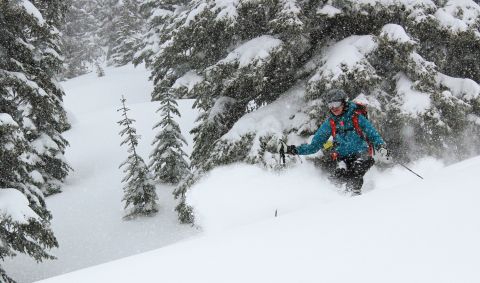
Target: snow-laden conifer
{"x": 30, "y": 60}
{"x": 128, "y": 29}
{"x": 139, "y": 190}
{"x": 80, "y": 41}
{"x": 31, "y": 121}
{"x": 24, "y": 218}
{"x": 168, "y": 160}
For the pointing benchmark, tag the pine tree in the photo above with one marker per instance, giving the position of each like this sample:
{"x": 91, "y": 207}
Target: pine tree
{"x": 100, "y": 71}
{"x": 31, "y": 121}
{"x": 139, "y": 190}
{"x": 32, "y": 236}
{"x": 158, "y": 27}
{"x": 80, "y": 41}
{"x": 168, "y": 158}
{"x": 128, "y": 26}
{"x": 44, "y": 118}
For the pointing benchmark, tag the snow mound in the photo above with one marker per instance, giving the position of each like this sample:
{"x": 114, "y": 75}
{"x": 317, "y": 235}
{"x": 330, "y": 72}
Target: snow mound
{"x": 406, "y": 230}
{"x": 243, "y": 194}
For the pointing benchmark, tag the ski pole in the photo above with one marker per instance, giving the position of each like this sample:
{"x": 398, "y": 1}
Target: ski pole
{"x": 409, "y": 170}
{"x": 282, "y": 156}
{"x": 281, "y": 151}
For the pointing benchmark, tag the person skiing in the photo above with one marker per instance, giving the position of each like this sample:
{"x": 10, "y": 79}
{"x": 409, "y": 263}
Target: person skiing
{"x": 354, "y": 141}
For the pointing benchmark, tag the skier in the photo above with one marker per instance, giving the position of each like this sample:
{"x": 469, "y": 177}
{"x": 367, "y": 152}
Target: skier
{"x": 354, "y": 141}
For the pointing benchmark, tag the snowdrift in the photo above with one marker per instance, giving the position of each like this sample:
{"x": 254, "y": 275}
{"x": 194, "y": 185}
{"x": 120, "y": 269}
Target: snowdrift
{"x": 402, "y": 229}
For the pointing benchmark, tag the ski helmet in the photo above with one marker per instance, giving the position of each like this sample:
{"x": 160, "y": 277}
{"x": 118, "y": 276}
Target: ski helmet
{"x": 334, "y": 95}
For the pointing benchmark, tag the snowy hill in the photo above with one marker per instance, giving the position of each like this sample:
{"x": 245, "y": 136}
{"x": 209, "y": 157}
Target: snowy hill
{"x": 87, "y": 215}
{"x": 402, "y": 230}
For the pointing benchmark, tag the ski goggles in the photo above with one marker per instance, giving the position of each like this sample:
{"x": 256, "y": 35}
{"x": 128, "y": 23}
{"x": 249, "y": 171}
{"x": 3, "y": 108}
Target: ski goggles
{"x": 334, "y": 104}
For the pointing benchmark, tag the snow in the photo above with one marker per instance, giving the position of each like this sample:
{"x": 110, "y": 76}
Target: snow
{"x": 329, "y": 11}
{"x": 271, "y": 119}
{"x": 255, "y": 49}
{"x": 394, "y": 32}
{"x": 188, "y": 80}
{"x": 349, "y": 52}
{"x": 7, "y": 120}
{"x": 20, "y": 76}
{"x": 370, "y": 101}
{"x": 413, "y": 6}
{"x": 32, "y": 10}
{"x": 473, "y": 118}
{"x": 37, "y": 177}
{"x": 220, "y": 106}
{"x": 43, "y": 144}
{"x": 254, "y": 195}
{"x": 414, "y": 102}
{"x": 87, "y": 215}
{"x": 228, "y": 9}
{"x": 460, "y": 87}
{"x": 161, "y": 13}
{"x": 403, "y": 229}
{"x": 458, "y": 15}
{"x": 15, "y": 205}
{"x": 194, "y": 12}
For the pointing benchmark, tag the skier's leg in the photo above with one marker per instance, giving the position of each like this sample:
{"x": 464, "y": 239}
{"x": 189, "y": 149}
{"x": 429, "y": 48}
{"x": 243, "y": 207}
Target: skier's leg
{"x": 357, "y": 170}
{"x": 338, "y": 173}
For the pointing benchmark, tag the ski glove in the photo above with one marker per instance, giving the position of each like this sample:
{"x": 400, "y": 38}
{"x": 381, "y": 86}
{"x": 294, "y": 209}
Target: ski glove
{"x": 291, "y": 149}
{"x": 384, "y": 155}
{"x": 288, "y": 149}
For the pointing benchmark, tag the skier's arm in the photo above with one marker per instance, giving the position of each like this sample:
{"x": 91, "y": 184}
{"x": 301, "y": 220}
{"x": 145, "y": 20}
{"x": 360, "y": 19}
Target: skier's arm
{"x": 320, "y": 137}
{"x": 370, "y": 132}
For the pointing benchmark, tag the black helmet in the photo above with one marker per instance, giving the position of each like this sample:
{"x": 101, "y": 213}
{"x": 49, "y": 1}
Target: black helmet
{"x": 336, "y": 95}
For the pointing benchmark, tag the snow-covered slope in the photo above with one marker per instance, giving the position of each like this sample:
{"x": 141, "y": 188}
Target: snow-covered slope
{"x": 402, "y": 229}
{"x": 87, "y": 215}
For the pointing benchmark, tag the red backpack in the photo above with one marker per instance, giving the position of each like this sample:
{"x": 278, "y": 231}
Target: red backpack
{"x": 360, "y": 110}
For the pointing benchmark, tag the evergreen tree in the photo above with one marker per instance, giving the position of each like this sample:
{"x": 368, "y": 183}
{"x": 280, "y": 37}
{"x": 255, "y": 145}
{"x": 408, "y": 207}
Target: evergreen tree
{"x": 44, "y": 118}
{"x": 107, "y": 17}
{"x": 168, "y": 159}
{"x": 139, "y": 190}
{"x": 80, "y": 40}
{"x": 128, "y": 31}
{"x": 158, "y": 27}
{"x": 31, "y": 121}
{"x": 32, "y": 236}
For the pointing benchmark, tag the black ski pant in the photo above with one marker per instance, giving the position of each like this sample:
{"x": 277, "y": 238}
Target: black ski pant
{"x": 350, "y": 170}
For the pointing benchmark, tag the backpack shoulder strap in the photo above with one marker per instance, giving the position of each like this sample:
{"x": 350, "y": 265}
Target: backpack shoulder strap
{"x": 334, "y": 127}
{"x": 356, "y": 125}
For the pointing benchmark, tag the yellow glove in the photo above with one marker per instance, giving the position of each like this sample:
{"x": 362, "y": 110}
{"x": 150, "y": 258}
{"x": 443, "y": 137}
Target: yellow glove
{"x": 328, "y": 145}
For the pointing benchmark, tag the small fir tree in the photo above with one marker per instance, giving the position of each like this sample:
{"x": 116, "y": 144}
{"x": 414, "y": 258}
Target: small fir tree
{"x": 139, "y": 190}
{"x": 100, "y": 71}
{"x": 168, "y": 158}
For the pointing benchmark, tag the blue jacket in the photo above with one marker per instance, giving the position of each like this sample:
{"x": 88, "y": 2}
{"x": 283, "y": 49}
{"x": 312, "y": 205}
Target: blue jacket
{"x": 347, "y": 141}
